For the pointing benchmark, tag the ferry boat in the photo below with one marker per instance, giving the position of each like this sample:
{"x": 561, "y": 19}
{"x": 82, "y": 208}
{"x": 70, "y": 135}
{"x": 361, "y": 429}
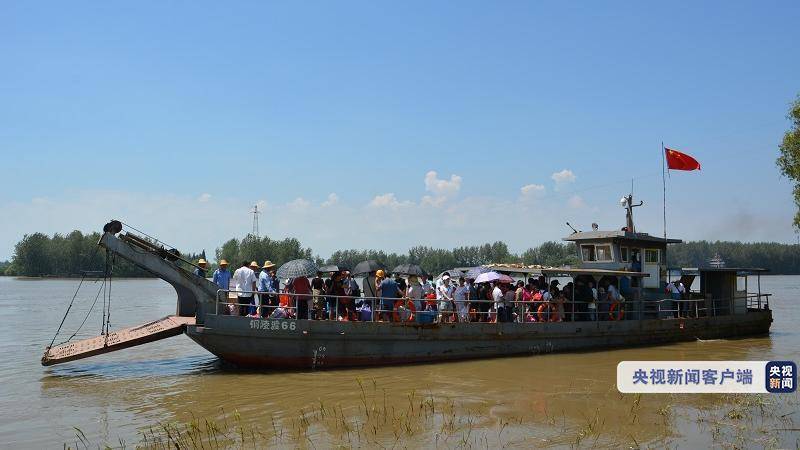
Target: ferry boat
{"x": 722, "y": 307}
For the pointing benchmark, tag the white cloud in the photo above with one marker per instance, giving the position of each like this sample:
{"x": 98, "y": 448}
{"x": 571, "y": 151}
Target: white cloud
{"x": 388, "y": 200}
{"x": 332, "y": 200}
{"x": 576, "y": 201}
{"x": 384, "y": 222}
{"x": 563, "y": 178}
{"x": 442, "y": 187}
{"x": 299, "y": 204}
{"x": 437, "y": 201}
{"x": 531, "y": 190}
{"x": 204, "y": 198}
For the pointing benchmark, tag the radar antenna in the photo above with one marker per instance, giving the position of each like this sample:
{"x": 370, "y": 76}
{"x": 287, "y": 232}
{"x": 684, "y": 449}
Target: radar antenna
{"x": 627, "y": 203}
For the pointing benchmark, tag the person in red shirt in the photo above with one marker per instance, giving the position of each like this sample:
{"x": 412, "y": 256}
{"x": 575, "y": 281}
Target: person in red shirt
{"x": 302, "y": 286}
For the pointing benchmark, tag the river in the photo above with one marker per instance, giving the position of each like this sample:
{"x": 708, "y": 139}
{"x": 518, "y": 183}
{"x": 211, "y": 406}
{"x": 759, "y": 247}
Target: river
{"x": 559, "y": 400}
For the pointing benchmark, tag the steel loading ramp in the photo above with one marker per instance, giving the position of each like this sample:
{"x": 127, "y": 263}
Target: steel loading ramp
{"x": 117, "y": 340}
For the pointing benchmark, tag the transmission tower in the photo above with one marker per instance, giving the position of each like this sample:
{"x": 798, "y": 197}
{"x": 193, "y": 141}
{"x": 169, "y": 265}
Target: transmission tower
{"x": 255, "y": 212}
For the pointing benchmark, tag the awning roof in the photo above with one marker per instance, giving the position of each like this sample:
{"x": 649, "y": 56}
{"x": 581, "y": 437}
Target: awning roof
{"x": 569, "y": 271}
{"x": 599, "y": 235}
{"x": 739, "y": 270}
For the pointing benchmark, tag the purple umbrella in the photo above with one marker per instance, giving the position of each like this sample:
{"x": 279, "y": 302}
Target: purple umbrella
{"x": 487, "y": 277}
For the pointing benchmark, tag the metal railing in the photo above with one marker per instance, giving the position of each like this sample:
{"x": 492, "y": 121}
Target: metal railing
{"x": 284, "y": 305}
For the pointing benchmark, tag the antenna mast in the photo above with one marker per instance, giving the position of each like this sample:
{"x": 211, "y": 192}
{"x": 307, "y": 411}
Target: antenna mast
{"x": 255, "y": 212}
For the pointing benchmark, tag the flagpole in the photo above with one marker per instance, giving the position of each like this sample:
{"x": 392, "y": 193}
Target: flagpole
{"x": 664, "y": 186}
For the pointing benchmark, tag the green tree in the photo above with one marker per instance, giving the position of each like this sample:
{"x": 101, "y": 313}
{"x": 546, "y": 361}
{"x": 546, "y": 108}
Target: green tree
{"x": 789, "y": 160}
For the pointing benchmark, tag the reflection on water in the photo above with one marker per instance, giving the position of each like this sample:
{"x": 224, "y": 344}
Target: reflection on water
{"x": 542, "y": 400}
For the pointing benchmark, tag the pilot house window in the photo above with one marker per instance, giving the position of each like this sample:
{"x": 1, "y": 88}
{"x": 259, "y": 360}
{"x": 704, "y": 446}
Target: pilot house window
{"x": 651, "y": 256}
{"x": 603, "y": 253}
{"x": 588, "y": 252}
{"x": 593, "y": 253}
{"x": 624, "y": 255}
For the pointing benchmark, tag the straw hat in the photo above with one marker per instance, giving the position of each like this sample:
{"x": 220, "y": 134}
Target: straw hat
{"x": 202, "y": 262}
{"x": 254, "y": 265}
{"x": 268, "y": 264}
{"x": 222, "y": 262}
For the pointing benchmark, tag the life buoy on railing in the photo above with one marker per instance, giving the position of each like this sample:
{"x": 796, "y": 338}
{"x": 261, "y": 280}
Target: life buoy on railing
{"x": 404, "y": 310}
{"x": 614, "y": 313}
{"x": 542, "y": 314}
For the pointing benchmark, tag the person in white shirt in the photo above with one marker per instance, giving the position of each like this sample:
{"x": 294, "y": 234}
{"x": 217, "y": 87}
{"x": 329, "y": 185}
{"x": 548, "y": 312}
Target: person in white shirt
{"x": 414, "y": 292}
{"x": 462, "y": 302}
{"x": 613, "y": 293}
{"x": 244, "y": 280}
{"x": 427, "y": 287}
{"x": 593, "y": 304}
{"x": 444, "y": 294}
{"x": 499, "y": 302}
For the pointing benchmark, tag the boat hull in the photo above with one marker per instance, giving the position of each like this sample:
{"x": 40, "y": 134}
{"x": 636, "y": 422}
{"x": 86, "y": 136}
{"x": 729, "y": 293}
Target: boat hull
{"x": 303, "y": 344}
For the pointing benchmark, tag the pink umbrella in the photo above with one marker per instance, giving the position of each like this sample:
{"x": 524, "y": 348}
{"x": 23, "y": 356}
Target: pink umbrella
{"x": 505, "y": 279}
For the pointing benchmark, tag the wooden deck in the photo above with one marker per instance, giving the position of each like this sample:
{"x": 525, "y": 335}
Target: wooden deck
{"x": 117, "y": 340}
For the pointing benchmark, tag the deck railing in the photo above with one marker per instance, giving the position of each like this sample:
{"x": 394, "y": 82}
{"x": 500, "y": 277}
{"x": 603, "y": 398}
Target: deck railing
{"x": 281, "y": 305}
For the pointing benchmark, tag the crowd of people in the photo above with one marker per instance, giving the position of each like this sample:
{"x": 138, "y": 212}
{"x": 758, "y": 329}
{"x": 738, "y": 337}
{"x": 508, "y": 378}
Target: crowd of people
{"x": 339, "y": 296}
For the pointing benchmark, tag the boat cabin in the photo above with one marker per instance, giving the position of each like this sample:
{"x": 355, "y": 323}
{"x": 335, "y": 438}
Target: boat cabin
{"x": 624, "y": 250}
{"x": 726, "y": 290}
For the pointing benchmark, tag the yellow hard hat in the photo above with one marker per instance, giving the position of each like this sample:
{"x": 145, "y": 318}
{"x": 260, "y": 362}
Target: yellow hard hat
{"x": 380, "y": 273}
{"x": 254, "y": 265}
{"x": 222, "y": 262}
{"x": 268, "y": 264}
{"x": 202, "y": 261}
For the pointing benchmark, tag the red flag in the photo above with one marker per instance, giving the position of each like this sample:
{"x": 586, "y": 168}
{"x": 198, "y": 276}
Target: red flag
{"x": 680, "y": 161}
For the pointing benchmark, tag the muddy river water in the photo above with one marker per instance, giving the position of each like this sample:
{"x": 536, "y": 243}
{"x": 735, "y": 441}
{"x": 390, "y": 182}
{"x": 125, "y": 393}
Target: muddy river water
{"x": 562, "y": 400}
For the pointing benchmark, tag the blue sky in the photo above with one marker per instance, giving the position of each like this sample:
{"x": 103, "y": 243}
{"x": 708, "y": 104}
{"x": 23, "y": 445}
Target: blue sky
{"x": 178, "y": 116}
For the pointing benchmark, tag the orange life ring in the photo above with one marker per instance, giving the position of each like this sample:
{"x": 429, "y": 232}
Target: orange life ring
{"x": 409, "y": 305}
{"x": 620, "y": 314}
{"x": 284, "y": 300}
{"x": 553, "y": 312}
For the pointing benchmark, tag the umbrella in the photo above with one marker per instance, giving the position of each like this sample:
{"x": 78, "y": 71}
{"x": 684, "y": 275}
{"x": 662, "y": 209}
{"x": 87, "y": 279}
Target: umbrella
{"x": 505, "y": 278}
{"x": 331, "y": 268}
{"x": 487, "y": 277}
{"x": 297, "y": 268}
{"x": 475, "y": 271}
{"x": 368, "y": 267}
{"x": 409, "y": 269}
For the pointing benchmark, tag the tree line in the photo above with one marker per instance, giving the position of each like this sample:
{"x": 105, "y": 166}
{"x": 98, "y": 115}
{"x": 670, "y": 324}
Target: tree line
{"x": 68, "y": 255}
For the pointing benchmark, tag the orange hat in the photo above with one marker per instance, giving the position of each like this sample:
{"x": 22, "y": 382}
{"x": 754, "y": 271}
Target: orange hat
{"x": 380, "y": 273}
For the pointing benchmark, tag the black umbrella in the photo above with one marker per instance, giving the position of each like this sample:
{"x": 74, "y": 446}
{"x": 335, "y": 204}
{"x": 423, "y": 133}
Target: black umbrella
{"x": 331, "y": 268}
{"x": 368, "y": 267}
{"x": 409, "y": 269}
{"x": 297, "y": 268}
{"x": 455, "y": 273}
{"x": 475, "y": 271}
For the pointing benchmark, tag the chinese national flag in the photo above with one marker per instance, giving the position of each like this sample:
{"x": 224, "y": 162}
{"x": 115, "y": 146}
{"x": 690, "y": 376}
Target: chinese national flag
{"x": 680, "y": 161}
